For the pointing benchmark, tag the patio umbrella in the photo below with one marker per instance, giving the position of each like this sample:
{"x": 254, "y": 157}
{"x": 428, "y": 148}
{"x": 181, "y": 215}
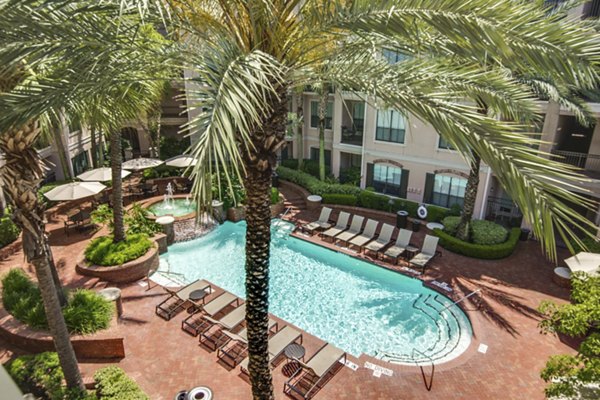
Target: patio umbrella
{"x": 182, "y": 161}
{"x": 138, "y": 164}
{"x": 585, "y": 262}
{"x": 74, "y": 191}
{"x": 100, "y": 175}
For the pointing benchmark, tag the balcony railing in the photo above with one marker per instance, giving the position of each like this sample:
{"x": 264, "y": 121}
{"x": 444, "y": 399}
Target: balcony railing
{"x": 352, "y": 136}
{"x": 592, "y": 9}
{"x": 585, "y": 161}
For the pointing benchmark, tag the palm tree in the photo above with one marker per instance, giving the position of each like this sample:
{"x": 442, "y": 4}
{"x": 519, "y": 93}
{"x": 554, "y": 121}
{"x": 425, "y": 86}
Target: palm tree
{"x": 248, "y": 56}
{"x": 323, "y": 99}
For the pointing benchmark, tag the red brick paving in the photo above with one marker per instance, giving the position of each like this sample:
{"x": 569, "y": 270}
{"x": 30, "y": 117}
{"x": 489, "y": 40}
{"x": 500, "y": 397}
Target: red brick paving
{"x": 163, "y": 359}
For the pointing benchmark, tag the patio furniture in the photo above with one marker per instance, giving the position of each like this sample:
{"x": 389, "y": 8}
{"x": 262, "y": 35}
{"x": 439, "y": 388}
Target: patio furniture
{"x": 384, "y": 238}
{"x": 236, "y": 344}
{"x": 195, "y": 323}
{"x": 180, "y": 187}
{"x": 177, "y": 300}
{"x": 230, "y": 321}
{"x": 428, "y": 252}
{"x": 71, "y": 220}
{"x": 321, "y": 223}
{"x": 354, "y": 230}
{"x": 367, "y": 235}
{"x": 150, "y": 189}
{"x": 562, "y": 277}
{"x": 294, "y": 351}
{"x": 410, "y": 252}
{"x": 340, "y": 226}
{"x": 277, "y": 344}
{"x": 402, "y": 242}
{"x": 313, "y": 374}
{"x": 434, "y": 225}
{"x": 584, "y": 262}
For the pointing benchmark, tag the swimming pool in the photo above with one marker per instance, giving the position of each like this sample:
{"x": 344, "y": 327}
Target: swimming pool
{"x": 355, "y": 305}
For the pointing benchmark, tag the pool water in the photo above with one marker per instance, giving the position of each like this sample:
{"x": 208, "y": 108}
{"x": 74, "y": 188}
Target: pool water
{"x": 175, "y": 208}
{"x": 355, "y": 305}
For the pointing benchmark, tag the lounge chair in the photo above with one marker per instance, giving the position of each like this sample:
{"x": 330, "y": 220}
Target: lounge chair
{"x": 312, "y": 374}
{"x": 196, "y": 323}
{"x": 367, "y": 235}
{"x": 340, "y": 226}
{"x": 354, "y": 230}
{"x": 179, "y": 299}
{"x": 384, "y": 238}
{"x": 235, "y": 344}
{"x": 428, "y": 252}
{"x": 277, "y": 344}
{"x": 321, "y": 223}
{"x": 402, "y": 242}
{"x": 229, "y": 321}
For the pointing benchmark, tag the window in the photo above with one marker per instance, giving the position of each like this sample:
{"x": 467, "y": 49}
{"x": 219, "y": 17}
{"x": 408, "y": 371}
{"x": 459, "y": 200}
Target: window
{"x": 314, "y": 155}
{"x": 387, "y": 179}
{"x": 393, "y": 56}
{"x": 80, "y": 163}
{"x": 391, "y": 126}
{"x": 444, "y": 144}
{"x": 314, "y": 115}
{"x": 448, "y": 190}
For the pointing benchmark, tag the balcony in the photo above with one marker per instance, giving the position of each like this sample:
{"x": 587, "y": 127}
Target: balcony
{"x": 589, "y": 163}
{"x": 353, "y": 122}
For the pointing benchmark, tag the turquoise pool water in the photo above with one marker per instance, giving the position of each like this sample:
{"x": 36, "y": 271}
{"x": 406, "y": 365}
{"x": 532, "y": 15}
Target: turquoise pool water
{"x": 176, "y": 208}
{"x": 357, "y": 306}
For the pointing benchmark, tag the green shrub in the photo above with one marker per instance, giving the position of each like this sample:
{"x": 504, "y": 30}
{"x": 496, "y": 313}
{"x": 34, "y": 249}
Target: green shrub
{"x": 290, "y": 163}
{"x": 313, "y": 185}
{"x": 350, "y": 176}
{"x": 274, "y": 195}
{"x": 593, "y": 246}
{"x": 102, "y": 250}
{"x": 230, "y": 196}
{"x": 113, "y": 384}
{"x": 487, "y": 232}
{"x": 171, "y": 146}
{"x": 455, "y": 210}
{"x": 38, "y": 374}
{"x": 85, "y": 313}
{"x": 436, "y": 213}
{"x": 137, "y": 221}
{"x": 405, "y": 205}
{"x": 481, "y": 251}
{"x": 374, "y": 201}
{"x": 450, "y": 225}
{"x": 341, "y": 199}
{"x": 9, "y": 232}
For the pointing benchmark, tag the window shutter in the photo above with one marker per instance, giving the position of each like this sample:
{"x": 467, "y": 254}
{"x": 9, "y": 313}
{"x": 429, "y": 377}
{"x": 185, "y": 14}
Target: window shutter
{"x": 428, "y": 192}
{"x": 370, "y": 170}
{"x": 403, "y": 183}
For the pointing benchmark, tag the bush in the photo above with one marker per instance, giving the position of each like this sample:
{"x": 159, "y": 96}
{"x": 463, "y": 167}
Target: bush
{"x": 171, "y": 146}
{"x": 137, "y": 222}
{"x": 450, "y": 225}
{"x": 374, "y": 201}
{"x": 481, "y": 251}
{"x": 313, "y": 185}
{"x": 436, "y": 213}
{"x": 455, "y": 210}
{"x": 405, "y": 205}
{"x": 341, "y": 199}
{"x": 113, "y": 384}
{"x": 102, "y": 250}
{"x": 9, "y": 232}
{"x": 290, "y": 163}
{"x": 350, "y": 176}
{"x": 487, "y": 232}
{"x": 593, "y": 246}
{"x": 274, "y": 195}
{"x": 86, "y": 312}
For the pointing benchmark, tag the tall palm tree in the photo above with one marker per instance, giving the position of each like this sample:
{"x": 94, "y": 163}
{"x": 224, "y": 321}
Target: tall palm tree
{"x": 323, "y": 99}
{"x": 248, "y": 56}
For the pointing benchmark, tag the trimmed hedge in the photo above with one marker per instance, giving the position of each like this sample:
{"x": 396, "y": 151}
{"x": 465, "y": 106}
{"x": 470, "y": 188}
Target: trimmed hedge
{"x": 9, "y": 232}
{"x": 112, "y": 383}
{"x": 341, "y": 199}
{"x": 102, "y": 250}
{"x": 374, "y": 201}
{"x": 313, "y": 185}
{"x": 482, "y": 232}
{"x": 482, "y": 251}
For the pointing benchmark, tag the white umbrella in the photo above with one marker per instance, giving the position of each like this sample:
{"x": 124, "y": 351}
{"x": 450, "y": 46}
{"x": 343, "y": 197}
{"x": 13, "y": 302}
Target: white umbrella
{"x": 585, "y": 262}
{"x": 138, "y": 164}
{"x": 74, "y": 191}
{"x": 100, "y": 175}
{"x": 181, "y": 161}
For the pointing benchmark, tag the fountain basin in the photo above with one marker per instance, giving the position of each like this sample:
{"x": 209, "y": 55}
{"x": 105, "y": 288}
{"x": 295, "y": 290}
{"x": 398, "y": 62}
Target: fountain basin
{"x": 179, "y": 208}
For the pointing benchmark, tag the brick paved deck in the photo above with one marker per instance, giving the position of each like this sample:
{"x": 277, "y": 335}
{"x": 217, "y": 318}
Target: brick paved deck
{"x": 163, "y": 359}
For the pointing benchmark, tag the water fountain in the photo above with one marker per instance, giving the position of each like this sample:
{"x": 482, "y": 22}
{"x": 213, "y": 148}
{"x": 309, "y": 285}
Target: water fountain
{"x": 168, "y": 198}
{"x": 172, "y": 205}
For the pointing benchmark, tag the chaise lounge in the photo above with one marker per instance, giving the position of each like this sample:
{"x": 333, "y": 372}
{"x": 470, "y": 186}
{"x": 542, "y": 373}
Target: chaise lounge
{"x": 384, "y": 238}
{"x": 229, "y": 321}
{"x": 196, "y": 323}
{"x": 277, "y": 345}
{"x": 367, "y": 235}
{"x": 340, "y": 226}
{"x": 428, "y": 252}
{"x": 312, "y": 374}
{"x": 402, "y": 242}
{"x": 235, "y": 345}
{"x": 179, "y": 299}
{"x": 354, "y": 230}
{"x": 321, "y": 223}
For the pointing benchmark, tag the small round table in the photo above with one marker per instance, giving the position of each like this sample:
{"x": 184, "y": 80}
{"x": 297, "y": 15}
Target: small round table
{"x": 293, "y": 352}
{"x": 411, "y": 251}
{"x": 197, "y": 295}
{"x": 113, "y": 294}
{"x": 434, "y": 225}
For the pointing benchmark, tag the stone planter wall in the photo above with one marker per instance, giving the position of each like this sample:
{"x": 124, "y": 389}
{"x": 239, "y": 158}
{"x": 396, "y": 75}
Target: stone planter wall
{"x": 100, "y": 345}
{"x": 277, "y": 209}
{"x": 10, "y": 249}
{"x": 128, "y": 272}
{"x": 236, "y": 214}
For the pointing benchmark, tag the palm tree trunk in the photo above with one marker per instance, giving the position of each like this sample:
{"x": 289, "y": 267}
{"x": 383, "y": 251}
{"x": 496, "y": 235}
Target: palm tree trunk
{"x": 464, "y": 226}
{"x": 20, "y": 177}
{"x": 94, "y": 147}
{"x": 259, "y": 167}
{"x": 61, "y": 151}
{"x": 299, "y": 112}
{"x": 116, "y": 159}
{"x": 101, "y": 148}
{"x": 322, "y": 111}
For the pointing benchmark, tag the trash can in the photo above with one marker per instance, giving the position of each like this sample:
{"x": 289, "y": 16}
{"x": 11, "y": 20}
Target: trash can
{"x": 524, "y": 234}
{"x": 401, "y": 219}
{"x": 416, "y": 225}
{"x": 275, "y": 179}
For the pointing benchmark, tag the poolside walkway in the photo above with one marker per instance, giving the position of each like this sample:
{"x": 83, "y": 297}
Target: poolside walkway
{"x": 164, "y": 360}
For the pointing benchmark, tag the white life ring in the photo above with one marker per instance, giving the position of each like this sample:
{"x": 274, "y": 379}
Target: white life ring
{"x": 422, "y": 211}
{"x": 199, "y": 392}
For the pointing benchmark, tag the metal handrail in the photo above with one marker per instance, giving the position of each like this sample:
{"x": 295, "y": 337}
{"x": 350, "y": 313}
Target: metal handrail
{"x": 428, "y": 385}
{"x": 461, "y": 299}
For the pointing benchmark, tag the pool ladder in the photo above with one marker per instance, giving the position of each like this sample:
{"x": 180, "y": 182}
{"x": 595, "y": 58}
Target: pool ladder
{"x": 278, "y": 227}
